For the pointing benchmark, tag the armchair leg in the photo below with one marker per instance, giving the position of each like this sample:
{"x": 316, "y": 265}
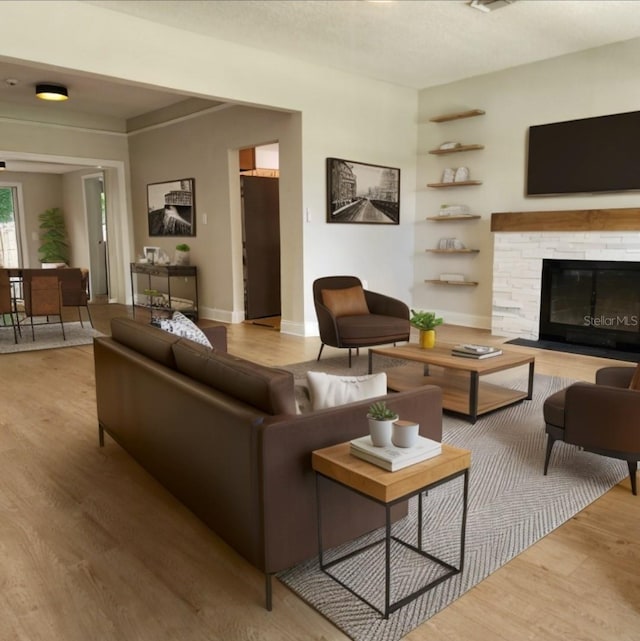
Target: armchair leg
{"x": 550, "y": 442}
{"x": 349, "y": 357}
{"x": 320, "y": 352}
{"x": 633, "y": 468}
{"x": 268, "y": 593}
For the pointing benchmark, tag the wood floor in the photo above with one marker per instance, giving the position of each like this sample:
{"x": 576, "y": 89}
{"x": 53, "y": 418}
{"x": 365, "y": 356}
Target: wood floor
{"x": 92, "y": 548}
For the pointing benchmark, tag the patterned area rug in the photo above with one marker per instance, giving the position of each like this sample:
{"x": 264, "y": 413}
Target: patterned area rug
{"x": 511, "y": 506}
{"x": 47, "y": 336}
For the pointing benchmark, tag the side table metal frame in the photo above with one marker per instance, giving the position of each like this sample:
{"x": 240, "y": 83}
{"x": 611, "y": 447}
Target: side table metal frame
{"x": 388, "y": 537}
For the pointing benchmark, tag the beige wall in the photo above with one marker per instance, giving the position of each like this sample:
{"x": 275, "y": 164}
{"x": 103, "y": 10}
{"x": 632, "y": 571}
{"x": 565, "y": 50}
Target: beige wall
{"x": 337, "y": 115}
{"x": 591, "y": 83}
{"x": 205, "y": 148}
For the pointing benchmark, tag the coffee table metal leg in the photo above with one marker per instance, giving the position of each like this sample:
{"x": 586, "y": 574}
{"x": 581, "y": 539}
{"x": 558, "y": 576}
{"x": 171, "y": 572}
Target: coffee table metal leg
{"x": 370, "y": 362}
{"x": 530, "y": 388}
{"x": 473, "y": 396}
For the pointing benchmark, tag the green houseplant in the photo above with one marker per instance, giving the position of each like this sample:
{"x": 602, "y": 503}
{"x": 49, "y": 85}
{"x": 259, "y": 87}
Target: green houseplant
{"x": 381, "y": 420}
{"x": 426, "y": 322}
{"x": 54, "y": 246}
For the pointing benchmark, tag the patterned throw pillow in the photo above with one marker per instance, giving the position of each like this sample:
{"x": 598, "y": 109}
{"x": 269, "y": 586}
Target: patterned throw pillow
{"x": 327, "y": 390}
{"x": 182, "y": 326}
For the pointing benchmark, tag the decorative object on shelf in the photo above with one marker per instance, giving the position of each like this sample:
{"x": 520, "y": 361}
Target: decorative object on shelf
{"x": 404, "y": 433}
{"x": 381, "y": 420}
{"x": 449, "y": 145}
{"x": 462, "y": 175}
{"x": 362, "y": 193}
{"x": 151, "y": 254}
{"x": 426, "y": 322}
{"x": 171, "y": 208}
{"x": 469, "y": 283}
{"x": 451, "y": 244}
{"x": 54, "y": 247}
{"x": 457, "y": 148}
{"x": 183, "y": 254}
{"x": 448, "y": 175}
{"x": 454, "y": 210}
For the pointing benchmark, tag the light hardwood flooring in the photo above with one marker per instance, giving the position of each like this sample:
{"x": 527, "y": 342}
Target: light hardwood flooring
{"x": 92, "y": 548}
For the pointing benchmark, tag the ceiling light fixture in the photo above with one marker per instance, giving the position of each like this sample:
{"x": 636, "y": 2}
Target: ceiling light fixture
{"x": 487, "y": 6}
{"x": 46, "y": 91}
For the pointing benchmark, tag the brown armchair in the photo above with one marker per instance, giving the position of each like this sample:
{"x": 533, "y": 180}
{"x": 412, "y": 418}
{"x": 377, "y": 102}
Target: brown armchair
{"x": 601, "y": 418}
{"x": 352, "y": 317}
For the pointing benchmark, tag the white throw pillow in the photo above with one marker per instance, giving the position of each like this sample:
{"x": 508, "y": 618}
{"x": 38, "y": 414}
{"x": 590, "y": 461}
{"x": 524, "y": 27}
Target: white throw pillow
{"x": 182, "y": 326}
{"x": 328, "y": 390}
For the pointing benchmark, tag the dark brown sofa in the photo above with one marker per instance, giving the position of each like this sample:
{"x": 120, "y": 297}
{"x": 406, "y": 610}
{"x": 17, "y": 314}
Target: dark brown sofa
{"x": 222, "y": 435}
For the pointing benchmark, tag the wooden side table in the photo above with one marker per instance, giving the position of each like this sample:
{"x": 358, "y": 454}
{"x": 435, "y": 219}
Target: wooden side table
{"x": 338, "y": 465}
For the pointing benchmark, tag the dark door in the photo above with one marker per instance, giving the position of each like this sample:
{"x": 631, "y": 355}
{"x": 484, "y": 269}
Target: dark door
{"x": 261, "y": 238}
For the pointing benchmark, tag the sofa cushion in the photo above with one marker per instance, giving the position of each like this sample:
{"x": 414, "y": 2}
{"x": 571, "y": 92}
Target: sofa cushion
{"x": 184, "y": 327}
{"x": 371, "y": 327}
{"x": 327, "y": 390}
{"x": 349, "y": 301}
{"x": 635, "y": 381}
{"x": 268, "y": 389}
{"x": 145, "y": 339}
{"x": 553, "y": 409}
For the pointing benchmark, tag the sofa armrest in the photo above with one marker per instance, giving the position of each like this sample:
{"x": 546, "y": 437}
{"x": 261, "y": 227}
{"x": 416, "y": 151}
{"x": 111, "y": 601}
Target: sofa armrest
{"x": 217, "y": 336}
{"x": 616, "y": 376}
{"x": 386, "y": 306}
{"x": 286, "y": 443}
{"x": 601, "y": 417}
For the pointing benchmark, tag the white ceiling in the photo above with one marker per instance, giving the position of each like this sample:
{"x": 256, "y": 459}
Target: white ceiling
{"x": 413, "y": 43}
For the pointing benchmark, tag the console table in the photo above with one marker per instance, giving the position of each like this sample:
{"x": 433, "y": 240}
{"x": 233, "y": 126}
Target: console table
{"x": 338, "y": 465}
{"x": 161, "y": 298}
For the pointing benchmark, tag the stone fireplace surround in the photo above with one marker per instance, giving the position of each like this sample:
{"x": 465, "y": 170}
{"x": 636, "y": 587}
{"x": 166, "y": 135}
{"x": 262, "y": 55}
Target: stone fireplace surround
{"x": 523, "y": 239}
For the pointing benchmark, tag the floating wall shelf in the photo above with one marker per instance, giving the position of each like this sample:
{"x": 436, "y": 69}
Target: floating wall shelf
{"x": 460, "y": 183}
{"x": 457, "y": 116}
{"x": 454, "y": 150}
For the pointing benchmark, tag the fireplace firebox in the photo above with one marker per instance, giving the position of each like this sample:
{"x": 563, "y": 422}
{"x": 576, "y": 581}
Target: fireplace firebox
{"x": 594, "y": 303}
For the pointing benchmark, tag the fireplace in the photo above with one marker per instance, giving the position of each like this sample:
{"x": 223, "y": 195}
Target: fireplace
{"x": 591, "y": 302}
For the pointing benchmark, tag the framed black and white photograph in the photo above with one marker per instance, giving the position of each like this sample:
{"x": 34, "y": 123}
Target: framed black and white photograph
{"x": 171, "y": 208}
{"x": 359, "y": 192}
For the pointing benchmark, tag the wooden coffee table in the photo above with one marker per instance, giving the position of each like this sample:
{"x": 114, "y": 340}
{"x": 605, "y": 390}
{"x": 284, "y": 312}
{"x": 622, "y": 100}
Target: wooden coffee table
{"x": 457, "y": 376}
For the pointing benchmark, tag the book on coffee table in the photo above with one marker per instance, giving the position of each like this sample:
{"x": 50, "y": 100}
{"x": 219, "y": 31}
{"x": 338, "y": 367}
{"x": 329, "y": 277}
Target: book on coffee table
{"x": 392, "y": 458}
{"x": 469, "y": 350}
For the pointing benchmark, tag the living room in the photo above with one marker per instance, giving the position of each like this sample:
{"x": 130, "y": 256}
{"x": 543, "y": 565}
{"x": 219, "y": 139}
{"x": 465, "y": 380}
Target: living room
{"x": 294, "y": 103}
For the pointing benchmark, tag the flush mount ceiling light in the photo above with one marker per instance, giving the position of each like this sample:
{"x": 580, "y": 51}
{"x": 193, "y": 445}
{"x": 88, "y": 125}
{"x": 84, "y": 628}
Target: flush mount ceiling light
{"x": 46, "y": 91}
{"x": 489, "y": 5}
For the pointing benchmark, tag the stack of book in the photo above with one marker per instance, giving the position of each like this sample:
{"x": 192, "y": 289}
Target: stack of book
{"x": 393, "y": 458}
{"x": 469, "y": 350}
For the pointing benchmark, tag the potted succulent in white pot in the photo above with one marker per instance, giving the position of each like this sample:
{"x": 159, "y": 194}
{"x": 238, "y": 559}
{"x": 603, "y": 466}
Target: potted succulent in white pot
{"x": 183, "y": 254}
{"x": 381, "y": 420}
{"x": 426, "y": 322}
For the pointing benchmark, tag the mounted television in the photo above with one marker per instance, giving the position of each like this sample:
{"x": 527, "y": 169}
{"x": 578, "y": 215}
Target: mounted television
{"x": 585, "y": 156}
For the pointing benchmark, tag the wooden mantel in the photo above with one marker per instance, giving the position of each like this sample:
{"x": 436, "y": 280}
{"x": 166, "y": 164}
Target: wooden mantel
{"x": 575, "y": 220}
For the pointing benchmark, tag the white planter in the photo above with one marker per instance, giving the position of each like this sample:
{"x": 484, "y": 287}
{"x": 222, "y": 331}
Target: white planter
{"x": 380, "y": 432}
{"x": 182, "y": 258}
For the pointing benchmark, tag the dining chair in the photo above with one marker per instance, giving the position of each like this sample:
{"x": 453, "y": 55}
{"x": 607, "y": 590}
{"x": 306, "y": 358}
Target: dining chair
{"x": 74, "y": 282}
{"x": 42, "y": 297}
{"x": 7, "y": 307}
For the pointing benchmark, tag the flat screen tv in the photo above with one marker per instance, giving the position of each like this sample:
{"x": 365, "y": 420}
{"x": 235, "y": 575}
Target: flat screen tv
{"x": 584, "y": 156}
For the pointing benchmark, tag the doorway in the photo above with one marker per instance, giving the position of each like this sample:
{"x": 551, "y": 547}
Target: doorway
{"x": 96, "y": 212}
{"x": 261, "y": 246}
{"x": 10, "y": 245}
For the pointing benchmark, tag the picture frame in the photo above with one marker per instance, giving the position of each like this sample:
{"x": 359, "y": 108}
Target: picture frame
{"x": 151, "y": 254}
{"x": 171, "y": 208}
{"x": 362, "y": 193}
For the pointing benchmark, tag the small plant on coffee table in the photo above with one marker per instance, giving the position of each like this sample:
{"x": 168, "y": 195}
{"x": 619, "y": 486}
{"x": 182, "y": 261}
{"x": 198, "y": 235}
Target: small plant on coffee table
{"x": 380, "y": 412}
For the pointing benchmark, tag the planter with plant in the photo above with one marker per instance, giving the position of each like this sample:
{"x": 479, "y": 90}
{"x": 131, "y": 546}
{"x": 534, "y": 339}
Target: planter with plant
{"x": 183, "y": 254}
{"x": 426, "y": 322}
{"x": 54, "y": 247}
{"x": 381, "y": 420}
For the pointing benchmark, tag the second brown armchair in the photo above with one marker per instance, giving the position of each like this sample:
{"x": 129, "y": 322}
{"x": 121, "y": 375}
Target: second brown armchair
{"x": 352, "y": 317}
